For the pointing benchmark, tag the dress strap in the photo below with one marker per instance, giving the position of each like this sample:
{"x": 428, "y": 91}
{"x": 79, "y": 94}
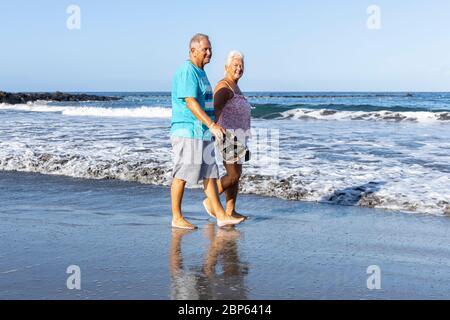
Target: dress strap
{"x": 229, "y": 86}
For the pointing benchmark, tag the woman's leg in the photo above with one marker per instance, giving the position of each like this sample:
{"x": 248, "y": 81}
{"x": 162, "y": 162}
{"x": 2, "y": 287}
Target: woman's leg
{"x": 233, "y": 175}
{"x": 225, "y": 183}
{"x": 210, "y": 188}
{"x": 230, "y": 184}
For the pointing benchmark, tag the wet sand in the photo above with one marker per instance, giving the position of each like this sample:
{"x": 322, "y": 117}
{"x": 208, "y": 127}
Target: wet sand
{"x": 119, "y": 234}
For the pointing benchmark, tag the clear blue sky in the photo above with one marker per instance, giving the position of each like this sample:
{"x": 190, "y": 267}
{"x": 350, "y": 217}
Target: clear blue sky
{"x": 292, "y": 45}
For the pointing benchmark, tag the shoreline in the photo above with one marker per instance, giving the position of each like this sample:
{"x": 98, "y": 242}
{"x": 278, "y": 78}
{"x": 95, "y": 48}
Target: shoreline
{"x": 160, "y": 177}
{"x": 119, "y": 234}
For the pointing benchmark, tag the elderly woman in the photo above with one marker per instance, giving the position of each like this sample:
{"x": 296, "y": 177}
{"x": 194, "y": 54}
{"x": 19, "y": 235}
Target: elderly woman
{"x": 232, "y": 112}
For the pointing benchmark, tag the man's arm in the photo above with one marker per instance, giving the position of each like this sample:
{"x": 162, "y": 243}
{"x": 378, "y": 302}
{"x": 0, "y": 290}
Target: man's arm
{"x": 198, "y": 112}
{"x": 193, "y": 105}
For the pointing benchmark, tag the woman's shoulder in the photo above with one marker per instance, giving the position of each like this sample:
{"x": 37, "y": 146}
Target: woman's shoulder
{"x": 223, "y": 83}
{"x": 223, "y": 86}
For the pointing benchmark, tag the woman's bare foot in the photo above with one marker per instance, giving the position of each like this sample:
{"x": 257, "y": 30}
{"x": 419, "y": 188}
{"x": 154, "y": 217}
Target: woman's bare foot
{"x": 234, "y": 214}
{"x": 182, "y": 223}
{"x": 226, "y": 220}
{"x": 222, "y": 219}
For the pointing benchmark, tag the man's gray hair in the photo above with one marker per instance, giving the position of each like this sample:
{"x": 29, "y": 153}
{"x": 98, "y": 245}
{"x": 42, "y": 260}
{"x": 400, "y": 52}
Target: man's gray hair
{"x": 233, "y": 55}
{"x": 195, "y": 40}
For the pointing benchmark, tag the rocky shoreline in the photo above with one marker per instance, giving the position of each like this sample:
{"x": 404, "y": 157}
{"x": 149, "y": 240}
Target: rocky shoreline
{"x": 22, "y": 97}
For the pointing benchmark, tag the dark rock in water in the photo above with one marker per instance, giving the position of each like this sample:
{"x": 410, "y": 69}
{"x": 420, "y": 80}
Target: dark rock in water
{"x": 446, "y": 207}
{"x": 394, "y": 116}
{"x": 445, "y": 116}
{"x": 370, "y": 200}
{"x": 21, "y": 97}
{"x": 267, "y": 185}
{"x": 45, "y": 157}
{"x": 447, "y": 210}
{"x": 327, "y": 112}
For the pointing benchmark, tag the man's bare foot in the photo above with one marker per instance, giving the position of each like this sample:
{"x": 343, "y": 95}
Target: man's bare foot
{"x": 182, "y": 223}
{"x": 208, "y": 208}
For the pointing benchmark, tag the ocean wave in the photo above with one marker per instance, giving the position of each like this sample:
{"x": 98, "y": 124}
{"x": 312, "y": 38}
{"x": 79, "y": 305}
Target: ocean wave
{"x": 275, "y": 110}
{"x": 139, "y": 112}
{"x": 344, "y": 107}
{"x": 305, "y": 186}
{"x": 260, "y": 111}
{"x": 327, "y": 96}
{"x": 385, "y": 115}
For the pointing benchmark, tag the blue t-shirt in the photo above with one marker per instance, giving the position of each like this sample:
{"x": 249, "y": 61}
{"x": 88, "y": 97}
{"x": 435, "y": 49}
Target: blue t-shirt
{"x": 190, "y": 82}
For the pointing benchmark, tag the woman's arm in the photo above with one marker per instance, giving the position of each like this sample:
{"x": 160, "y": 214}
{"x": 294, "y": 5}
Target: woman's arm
{"x": 221, "y": 96}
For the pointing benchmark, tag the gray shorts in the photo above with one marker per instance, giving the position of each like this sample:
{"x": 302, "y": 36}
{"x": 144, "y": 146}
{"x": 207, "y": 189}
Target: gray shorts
{"x": 193, "y": 160}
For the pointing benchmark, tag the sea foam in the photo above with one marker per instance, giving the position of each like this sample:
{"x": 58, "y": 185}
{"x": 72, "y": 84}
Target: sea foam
{"x": 385, "y": 115}
{"x": 138, "y": 112}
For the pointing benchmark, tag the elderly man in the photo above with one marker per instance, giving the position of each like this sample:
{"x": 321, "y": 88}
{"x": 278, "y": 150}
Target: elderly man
{"x": 192, "y": 126}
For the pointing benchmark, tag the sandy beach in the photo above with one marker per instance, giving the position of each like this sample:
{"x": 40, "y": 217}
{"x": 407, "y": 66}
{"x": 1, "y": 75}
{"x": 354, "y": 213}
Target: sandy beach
{"x": 119, "y": 234}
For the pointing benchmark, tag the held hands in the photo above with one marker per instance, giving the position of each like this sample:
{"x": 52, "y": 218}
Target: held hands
{"x": 217, "y": 131}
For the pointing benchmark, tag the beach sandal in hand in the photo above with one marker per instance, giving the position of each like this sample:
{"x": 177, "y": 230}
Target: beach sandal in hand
{"x": 231, "y": 149}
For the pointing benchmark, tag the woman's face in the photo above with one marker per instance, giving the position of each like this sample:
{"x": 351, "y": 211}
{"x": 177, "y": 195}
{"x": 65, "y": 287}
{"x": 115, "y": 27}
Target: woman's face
{"x": 236, "y": 69}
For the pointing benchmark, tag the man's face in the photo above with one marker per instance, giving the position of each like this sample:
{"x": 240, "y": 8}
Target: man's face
{"x": 203, "y": 52}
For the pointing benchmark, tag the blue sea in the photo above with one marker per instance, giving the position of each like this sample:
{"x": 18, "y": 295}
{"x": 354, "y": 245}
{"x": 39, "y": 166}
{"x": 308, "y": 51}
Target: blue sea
{"x": 371, "y": 149}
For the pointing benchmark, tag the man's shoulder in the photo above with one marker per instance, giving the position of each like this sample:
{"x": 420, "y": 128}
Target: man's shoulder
{"x": 185, "y": 71}
{"x": 186, "y": 67}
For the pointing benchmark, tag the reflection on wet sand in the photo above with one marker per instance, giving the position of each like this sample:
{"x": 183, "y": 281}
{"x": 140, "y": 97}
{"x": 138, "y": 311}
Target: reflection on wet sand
{"x": 221, "y": 275}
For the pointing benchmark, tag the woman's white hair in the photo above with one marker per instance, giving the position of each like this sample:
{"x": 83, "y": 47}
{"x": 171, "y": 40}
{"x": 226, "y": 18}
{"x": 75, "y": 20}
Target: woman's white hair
{"x": 233, "y": 55}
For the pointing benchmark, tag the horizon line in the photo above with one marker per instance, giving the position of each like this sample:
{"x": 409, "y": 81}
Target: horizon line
{"x": 246, "y": 91}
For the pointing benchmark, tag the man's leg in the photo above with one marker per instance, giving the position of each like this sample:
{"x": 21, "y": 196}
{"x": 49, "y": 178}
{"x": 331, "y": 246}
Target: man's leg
{"x": 177, "y": 191}
{"x": 210, "y": 186}
{"x": 230, "y": 184}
